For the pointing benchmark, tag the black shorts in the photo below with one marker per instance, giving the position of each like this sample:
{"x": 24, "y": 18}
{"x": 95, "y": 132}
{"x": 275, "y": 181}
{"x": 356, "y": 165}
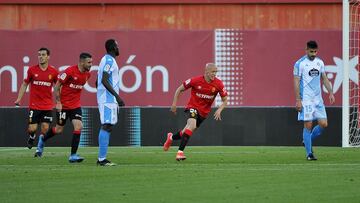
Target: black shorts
{"x": 193, "y": 113}
{"x": 40, "y": 116}
{"x": 70, "y": 114}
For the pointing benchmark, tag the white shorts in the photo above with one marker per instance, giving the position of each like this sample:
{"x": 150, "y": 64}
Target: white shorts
{"x": 108, "y": 113}
{"x": 312, "y": 110}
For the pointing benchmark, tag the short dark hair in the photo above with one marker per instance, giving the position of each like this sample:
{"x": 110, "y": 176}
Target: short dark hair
{"x": 85, "y": 55}
{"x": 312, "y": 44}
{"x": 110, "y": 45}
{"x": 45, "y": 49}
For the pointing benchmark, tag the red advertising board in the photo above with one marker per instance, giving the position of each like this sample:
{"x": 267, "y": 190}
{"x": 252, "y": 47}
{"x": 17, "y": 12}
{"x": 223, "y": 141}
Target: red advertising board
{"x": 154, "y": 63}
{"x": 269, "y": 58}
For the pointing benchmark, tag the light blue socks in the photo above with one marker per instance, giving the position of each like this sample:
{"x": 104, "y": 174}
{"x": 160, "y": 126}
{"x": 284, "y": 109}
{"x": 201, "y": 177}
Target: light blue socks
{"x": 104, "y": 137}
{"x": 307, "y": 140}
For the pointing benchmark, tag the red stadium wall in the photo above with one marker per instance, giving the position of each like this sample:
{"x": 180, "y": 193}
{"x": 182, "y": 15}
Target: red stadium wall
{"x": 170, "y": 14}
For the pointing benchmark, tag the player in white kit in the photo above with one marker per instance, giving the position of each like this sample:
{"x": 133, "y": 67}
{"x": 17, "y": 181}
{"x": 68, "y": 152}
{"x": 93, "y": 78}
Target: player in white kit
{"x": 108, "y": 85}
{"x": 308, "y": 71}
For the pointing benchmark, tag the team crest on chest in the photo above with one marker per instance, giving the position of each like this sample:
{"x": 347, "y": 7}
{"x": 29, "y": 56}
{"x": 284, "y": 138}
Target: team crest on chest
{"x": 199, "y": 87}
{"x": 314, "y": 72}
{"x": 50, "y": 77}
{"x": 62, "y": 76}
{"x": 213, "y": 89}
{"x": 36, "y": 75}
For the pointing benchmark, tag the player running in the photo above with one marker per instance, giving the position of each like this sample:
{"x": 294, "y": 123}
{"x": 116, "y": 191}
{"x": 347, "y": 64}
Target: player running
{"x": 203, "y": 92}
{"x": 41, "y": 78}
{"x": 67, "y": 95}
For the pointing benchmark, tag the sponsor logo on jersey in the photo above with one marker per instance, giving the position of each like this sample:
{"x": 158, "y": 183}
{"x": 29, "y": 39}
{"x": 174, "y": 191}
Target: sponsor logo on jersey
{"x": 205, "y": 96}
{"x": 314, "y": 72}
{"x": 75, "y": 86}
{"x": 42, "y": 83}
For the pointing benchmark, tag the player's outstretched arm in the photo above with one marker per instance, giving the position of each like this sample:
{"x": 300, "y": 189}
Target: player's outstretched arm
{"x": 328, "y": 87}
{"x": 217, "y": 114}
{"x": 105, "y": 82}
{"x": 22, "y": 90}
{"x": 298, "y": 104}
{"x": 178, "y": 91}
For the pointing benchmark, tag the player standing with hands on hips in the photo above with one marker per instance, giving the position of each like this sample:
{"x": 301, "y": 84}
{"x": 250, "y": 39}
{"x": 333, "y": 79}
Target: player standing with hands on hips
{"x": 204, "y": 89}
{"x": 308, "y": 72}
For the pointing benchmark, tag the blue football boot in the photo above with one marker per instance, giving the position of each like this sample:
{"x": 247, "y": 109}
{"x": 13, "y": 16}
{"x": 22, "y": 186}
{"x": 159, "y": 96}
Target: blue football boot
{"x": 40, "y": 147}
{"x": 74, "y": 158}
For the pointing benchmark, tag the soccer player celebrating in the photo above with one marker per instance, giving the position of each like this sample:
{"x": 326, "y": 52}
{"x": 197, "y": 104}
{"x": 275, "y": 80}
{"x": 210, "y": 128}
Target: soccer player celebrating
{"x": 41, "y": 78}
{"x": 203, "y": 92}
{"x": 67, "y": 95}
{"x": 308, "y": 71}
{"x": 108, "y": 98}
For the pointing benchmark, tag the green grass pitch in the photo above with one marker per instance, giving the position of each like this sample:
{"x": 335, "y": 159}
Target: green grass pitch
{"x": 210, "y": 174}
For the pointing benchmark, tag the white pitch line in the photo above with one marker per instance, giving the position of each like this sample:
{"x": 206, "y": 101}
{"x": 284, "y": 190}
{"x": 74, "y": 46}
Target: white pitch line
{"x": 13, "y": 149}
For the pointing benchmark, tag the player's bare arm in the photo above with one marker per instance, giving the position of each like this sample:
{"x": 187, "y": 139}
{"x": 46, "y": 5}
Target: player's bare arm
{"x": 217, "y": 114}
{"x": 22, "y": 90}
{"x": 57, "y": 90}
{"x": 328, "y": 87}
{"x": 178, "y": 91}
{"x": 105, "y": 82}
{"x": 298, "y": 104}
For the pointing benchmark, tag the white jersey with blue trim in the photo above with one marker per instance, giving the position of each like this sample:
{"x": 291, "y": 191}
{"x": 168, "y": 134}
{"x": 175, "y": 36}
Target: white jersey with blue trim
{"x": 108, "y": 64}
{"x": 309, "y": 73}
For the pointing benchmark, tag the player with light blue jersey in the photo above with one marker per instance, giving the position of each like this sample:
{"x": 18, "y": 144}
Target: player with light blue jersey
{"x": 308, "y": 72}
{"x": 109, "y": 65}
{"x": 108, "y": 99}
